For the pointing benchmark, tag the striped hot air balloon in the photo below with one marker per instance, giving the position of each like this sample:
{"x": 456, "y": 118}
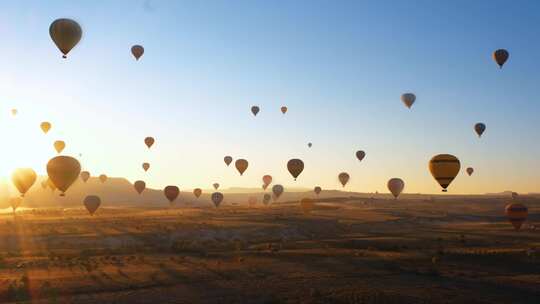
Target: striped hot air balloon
{"x": 444, "y": 168}
{"x": 516, "y": 214}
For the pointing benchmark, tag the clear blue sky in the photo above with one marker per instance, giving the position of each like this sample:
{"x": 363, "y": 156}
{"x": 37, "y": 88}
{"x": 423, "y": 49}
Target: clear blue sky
{"x": 340, "y": 67}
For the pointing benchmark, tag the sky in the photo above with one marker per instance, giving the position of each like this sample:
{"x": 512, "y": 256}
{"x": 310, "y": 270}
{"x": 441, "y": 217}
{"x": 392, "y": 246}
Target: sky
{"x": 339, "y": 66}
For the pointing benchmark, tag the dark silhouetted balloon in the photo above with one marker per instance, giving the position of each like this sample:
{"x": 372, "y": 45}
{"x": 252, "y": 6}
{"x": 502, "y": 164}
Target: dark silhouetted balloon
{"x": 63, "y": 171}
{"x": 255, "y": 110}
{"x": 149, "y": 141}
{"x": 408, "y": 99}
{"x": 92, "y": 203}
{"x": 284, "y": 109}
{"x": 309, "y": 145}
{"x": 344, "y": 178}
{"x": 217, "y": 198}
{"x": 516, "y": 214}
{"x": 277, "y": 190}
{"x": 65, "y": 33}
{"x": 197, "y": 192}
{"x": 215, "y": 185}
{"x": 171, "y": 193}
{"x": 360, "y": 155}
{"x": 85, "y": 175}
{"x": 146, "y": 166}
{"x": 317, "y": 190}
{"x": 139, "y": 186}
{"x": 241, "y": 165}
{"x": 444, "y": 168}
{"x": 137, "y": 51}
{"x": 479, "y": 128}
{"x": 470, "y": 171}
{"x": 295, "y": 167}
{"x": 266, "y": 199}
{"x": 227, "y": 160}
{"x": 396, "y": 185}
{"x": 500, "y": 56}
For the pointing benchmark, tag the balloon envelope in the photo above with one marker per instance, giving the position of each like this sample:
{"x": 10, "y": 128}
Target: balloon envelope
{"x": 149, "y": 141}
{"x": 23, "y": 179}
{"x": 444, "y": 168}
{"x": 171, "y": 193}
{"x": 103, "y": 178}
{"x": 396, "y": 185}
{"x": 295, "y": 167}
{"x": 516, "y": 214}
{"x": 360, "y": 155}
{"x": 470, "y": 171}
{"x": 266, "y": 199}
{"x": 408, "y": 99}
{"x": 216, "y": 186}
{"x": 85, "y": 175}
{"x": 139, "y": 186}
{"x": 59, "y": 146}
{"x": 92, "y": 203}
{"x": 63, "y": 171}
{"x": 65, "y": 33}
{"x": 197, "y": 192}
{"x": 277, "y": 190}
{"x": 284, "y": 109}
{"x": 317, "y": 190}
{"x": 217, "y": 198}
{"x": 137, "y": 51}
{"x": 146, "y": 166}
{"x": 500, "y": 56}
{"x": 479, "y": 128}
{"x": 227, "y": 160}
{"x": 344, "y": 178}
{"x": 267, "y": 180}
{"x": 45, "y": 126}
{"x": 241, "y": 165}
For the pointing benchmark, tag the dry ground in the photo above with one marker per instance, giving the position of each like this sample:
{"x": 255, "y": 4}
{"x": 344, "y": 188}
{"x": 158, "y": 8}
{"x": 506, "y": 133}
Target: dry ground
{"x": 356, "y": 251}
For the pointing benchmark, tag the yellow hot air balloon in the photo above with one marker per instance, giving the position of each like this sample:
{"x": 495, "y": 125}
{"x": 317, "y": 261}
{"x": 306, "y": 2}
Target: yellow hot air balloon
{"x": 500, "y": 56}
{"x": 59, "y": 146}
{"x": 516, "y": 214}
{"x": 317, "y": 190}
{"x": 171, "y": 193}
{"x": 217, "y": 198}
{"x": 23, "y": 179}
{"x": 45, "y": 126}
{"x": 284, "y": 109}
{"x": 137, "y": 51}
{"x": 149, "y": 141}
{"x": 295, "y": 167}
{"x": 65, "y": 33}
{"x": 146, "y": 166}
{"x": 139, "y": 186}
{"x": 197, "y": 192}
{"x": 63, "y": 171}
{"x": 307, "y": 205}
{"x": 85, "y": 175}
{"x": 92, "y": 203}
{"x": 14, "y": 203}
{"x": 241, "y": 165}
{"x": 396, "y": 185}
{"x": 103, "y": 178}
{"x": 444, "y": 168}
{"x": 344, "y": 178}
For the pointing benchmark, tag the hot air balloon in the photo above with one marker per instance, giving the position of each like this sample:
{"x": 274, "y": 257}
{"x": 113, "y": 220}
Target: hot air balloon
{"x": 277, "y": 190}
{"x": 408, "y": 99}
{"x": 241, "y": 165}
{"x": 284, "y": 109}
{"x": 171, "y": 193}
{"x": 63, "y": 171}
{"x": 470, "y": 171}
{"x": 137, "y": 51}
{"x": 139, "y": 186}
{"x": 252, "y": 200}
{"x": 149, "y": 141}
{"x": 216, "y": 186}
{"x": 227, "y": 160}
{"x": 514, "y": 195}
{"x": 317, "y": 190}
{"x": 197, "y": 192}
{"x": 59, "y": 146}
{"x": 45, "y": 126}
{"x": 267, "y": 180}
{"x": 85, "y": 175}
{"x": 23, "y": 179}
{"x": 444, "y": 168}
{"x": 309, "y": 145}
{"x": 14, "y": 203}
{"x": 92, "y": 202}
{"x": 516, "y": 214}
{"x": 360, "y": 155}
{"x": 307, "y": 205}
{"x": 217, "y": 198}
{"x": 65, "y": 33}
{"x": 500, "y": 56}
{"x": 266, "y": 199}
{"x": 344, "y": 178}
{"x": 146, "y": 166}
{"x": 255, "y": 110}
{"x": 396, "y": 185}
{"x": 103, "y": 178}
{"x": 479, "y": 128}
{"x": 295, "y": 167}
{"x": 14, "y": 112}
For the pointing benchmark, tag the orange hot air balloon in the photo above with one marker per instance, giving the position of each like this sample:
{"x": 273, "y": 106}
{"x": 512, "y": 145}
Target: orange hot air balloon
{"x": 255, "y": 110}
{"x": 149, "y": 141}
{"x": 317, "y": 190}
{"x": 92, "y": 203}
{"x": 241, "y": 165}
{"x": 217, "y": 198}
{"x": 266, "y": 199}
{"x": 516, "y": 214}
{"x": 65, "y": 33}
{"x": 444, "y": 168}
{"x": 23, "y": 179}
{"x": 139, "y": 186}
{"x": 307, "y": 205}
{"x": 45, "y": 126}
{"x": 103, "y": 178}
{"x": 360, "y": 155}
{"x": 396, "y": 185}
{"x": 470, "y": 171}
{"x": 277, "y": 190}
{"x": 59, "y": 146}
{"x": 344, "y": 178}
{"x": 63, "y": 171}
{"x": 252, "y": 201}
{"x": 227, "y": 160}
{"x": 85, "y": 175}
{"x": 15, "y": 202}
{"x": 146, "y": 166}
{"x": 137, "y": 51}
{"x": 171, "y": 193}
{"x": 197, "y": 192}
{"x": 215, "y": 185}
{"x": 500, "y": 56}
{"x": 408, "y": 99}
{"x": 295, "y": 167}
{"x": 284, "y": 109}
{"x": 267, "y": 180}
{"x": 479, "y": 128}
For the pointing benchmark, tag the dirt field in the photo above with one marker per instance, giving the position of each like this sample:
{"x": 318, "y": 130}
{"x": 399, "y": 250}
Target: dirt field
{"x": 357, "y": 251}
